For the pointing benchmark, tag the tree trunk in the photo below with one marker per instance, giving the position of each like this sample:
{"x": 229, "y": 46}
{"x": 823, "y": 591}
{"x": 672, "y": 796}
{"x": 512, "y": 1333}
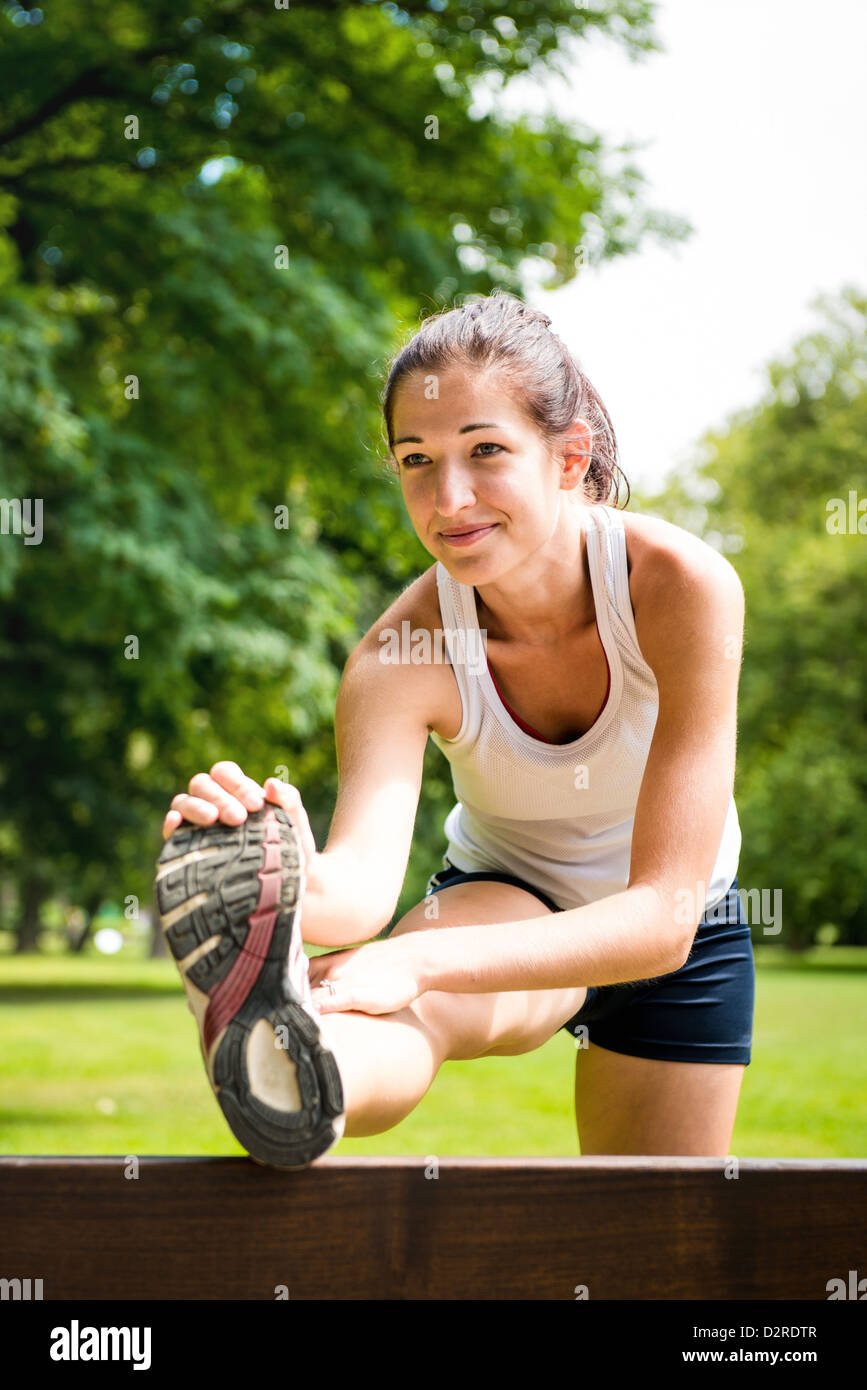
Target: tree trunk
{"x": 32, "y": 895}
{"x": 91, "y": 908}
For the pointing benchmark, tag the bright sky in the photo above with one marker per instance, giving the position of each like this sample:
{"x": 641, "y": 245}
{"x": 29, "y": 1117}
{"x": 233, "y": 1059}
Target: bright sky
{"x": 756, "y": 126}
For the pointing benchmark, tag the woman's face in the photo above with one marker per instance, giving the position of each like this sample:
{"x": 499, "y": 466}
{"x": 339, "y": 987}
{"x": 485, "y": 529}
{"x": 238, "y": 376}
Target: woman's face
{"x": 471, "y": 462}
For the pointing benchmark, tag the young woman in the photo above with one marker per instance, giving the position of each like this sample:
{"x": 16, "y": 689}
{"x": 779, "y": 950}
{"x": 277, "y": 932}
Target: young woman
{"x": 589, "y": 879}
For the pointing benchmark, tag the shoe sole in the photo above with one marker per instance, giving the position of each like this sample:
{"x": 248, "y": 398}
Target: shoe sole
{"x": 243, "y": 884}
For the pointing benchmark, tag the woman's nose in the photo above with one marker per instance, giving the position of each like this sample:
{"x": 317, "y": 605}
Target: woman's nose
{"x": 453, "y": 491}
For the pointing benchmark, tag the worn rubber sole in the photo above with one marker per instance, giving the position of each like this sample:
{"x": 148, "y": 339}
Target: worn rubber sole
{"x": 228, "y": 898}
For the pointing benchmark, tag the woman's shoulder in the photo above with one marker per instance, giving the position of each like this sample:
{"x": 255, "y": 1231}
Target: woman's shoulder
{"x": 409, "y": 631}
{"x": 416, "y": 605}
{"x": 407, "y": 642}
{"x": 660, "y": 554}
{"x": 648, "y": 536}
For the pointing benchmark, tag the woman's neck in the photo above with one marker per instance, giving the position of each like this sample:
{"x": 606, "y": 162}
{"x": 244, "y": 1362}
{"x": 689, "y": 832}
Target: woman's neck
{"x": 546, "y": 602}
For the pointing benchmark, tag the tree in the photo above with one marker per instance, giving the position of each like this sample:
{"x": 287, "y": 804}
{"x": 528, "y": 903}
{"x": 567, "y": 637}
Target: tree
{"x": 768, "y": 490}
{"x": 210, "y": 229}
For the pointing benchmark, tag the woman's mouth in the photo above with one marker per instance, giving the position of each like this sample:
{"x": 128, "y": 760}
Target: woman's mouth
{"x": 467, "y": 537}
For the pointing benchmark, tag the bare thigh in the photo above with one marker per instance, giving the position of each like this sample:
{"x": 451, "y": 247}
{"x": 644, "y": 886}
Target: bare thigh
{"x": 497, "y": 1024}
{"x": 638, "y": 1105}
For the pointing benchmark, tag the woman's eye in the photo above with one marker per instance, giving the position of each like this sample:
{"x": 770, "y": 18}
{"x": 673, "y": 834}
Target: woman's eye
{"x": 485, "y": 444}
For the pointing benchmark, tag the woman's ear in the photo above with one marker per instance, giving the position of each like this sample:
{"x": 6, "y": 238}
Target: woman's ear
{"x": 577, "y": 454}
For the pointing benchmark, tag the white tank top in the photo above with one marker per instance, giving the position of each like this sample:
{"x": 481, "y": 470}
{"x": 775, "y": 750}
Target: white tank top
{"x": 559, "y": 816}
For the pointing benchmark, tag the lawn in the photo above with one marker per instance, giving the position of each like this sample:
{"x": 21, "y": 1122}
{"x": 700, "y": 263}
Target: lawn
{"x": 99, "y": 1056}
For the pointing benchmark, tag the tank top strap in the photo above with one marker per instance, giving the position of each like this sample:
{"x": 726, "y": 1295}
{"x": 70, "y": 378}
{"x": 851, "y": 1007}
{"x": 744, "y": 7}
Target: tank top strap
{"x": 612, "y": 539}
{"x": 451, "y": 618}
{"x": 462, "y": 637}
{"x": 466, "y": 652}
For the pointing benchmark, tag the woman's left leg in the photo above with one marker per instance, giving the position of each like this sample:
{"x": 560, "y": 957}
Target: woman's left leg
{"x": 639, "y": 1105}
{"x": 700, "y": 1019}
{"x": 387, "y": 1062}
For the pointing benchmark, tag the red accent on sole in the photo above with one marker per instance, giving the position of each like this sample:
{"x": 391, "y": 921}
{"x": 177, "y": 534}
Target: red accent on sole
{"x": 229, "y": 995}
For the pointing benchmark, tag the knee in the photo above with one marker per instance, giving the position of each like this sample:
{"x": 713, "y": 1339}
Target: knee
{"x": 468, "y": 1026}
{"x": 451, "y": 1020}
{"x": 526, "y": 1041}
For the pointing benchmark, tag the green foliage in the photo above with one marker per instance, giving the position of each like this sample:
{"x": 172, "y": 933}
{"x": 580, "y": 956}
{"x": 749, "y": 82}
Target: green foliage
{"x": 763, "y": 493}
{"x": 169, "y": 377}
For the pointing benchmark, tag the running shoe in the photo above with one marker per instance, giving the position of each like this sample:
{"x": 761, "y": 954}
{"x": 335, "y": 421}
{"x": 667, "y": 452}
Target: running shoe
{"x": 229, "y": 899}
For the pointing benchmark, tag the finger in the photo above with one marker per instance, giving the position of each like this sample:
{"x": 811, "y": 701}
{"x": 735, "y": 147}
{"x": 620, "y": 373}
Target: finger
{"x": 321, "y": 967}
{"x": 171, "y": 822}
{"x": 230, "y": 778}
{"x": 325, "y": 1004}
{"x": 283, "y": 793}
{"x": 334, "y": 1001}
{"x": 231, "y": 811}
{"x": 289, "y": 798}
{"x": 191, "y": 808}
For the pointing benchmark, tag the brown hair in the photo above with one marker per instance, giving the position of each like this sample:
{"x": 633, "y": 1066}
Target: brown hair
{"x": 502, "y": 333}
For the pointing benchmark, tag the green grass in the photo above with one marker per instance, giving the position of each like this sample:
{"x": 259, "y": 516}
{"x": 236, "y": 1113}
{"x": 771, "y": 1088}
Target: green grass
{"x": 100, "y": 1056}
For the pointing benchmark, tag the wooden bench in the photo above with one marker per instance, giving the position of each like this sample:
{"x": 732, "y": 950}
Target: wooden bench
{"x": 387, "y": 1228}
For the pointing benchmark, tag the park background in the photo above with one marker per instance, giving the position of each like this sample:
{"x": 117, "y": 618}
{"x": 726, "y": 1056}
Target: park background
{"x": 257, "y": 379}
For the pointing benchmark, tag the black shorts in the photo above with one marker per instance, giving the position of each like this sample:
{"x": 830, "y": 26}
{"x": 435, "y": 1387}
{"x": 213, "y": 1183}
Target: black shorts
{"x": 702, "y": 1012}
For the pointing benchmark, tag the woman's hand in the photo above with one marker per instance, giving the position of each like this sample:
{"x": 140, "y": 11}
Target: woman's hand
{"x": 227, "y": 794}
{"x": 380, "y": 977}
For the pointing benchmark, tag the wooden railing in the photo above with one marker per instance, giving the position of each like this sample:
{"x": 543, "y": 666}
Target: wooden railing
{"x": 452, "y": 1228}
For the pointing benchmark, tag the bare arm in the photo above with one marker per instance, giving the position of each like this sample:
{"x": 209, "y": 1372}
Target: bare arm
{"x": 381, "y": 730}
